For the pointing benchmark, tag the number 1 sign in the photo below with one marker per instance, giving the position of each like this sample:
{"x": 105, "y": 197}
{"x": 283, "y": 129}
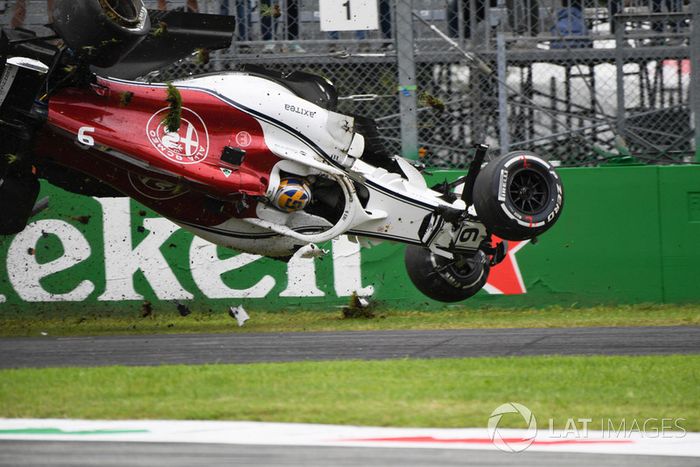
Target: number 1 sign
{"x": 348, "y": 15}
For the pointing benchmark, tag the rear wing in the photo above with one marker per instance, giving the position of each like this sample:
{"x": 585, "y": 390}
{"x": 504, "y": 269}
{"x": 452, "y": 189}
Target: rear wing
{"x": 174, "y": 35}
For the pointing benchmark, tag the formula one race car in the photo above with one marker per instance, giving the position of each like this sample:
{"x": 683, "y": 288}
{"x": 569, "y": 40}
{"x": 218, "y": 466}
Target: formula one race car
{"x": 251, "y": 160}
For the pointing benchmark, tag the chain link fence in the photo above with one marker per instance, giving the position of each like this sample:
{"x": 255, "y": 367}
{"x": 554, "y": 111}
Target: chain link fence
{"x": 579, "y": 81}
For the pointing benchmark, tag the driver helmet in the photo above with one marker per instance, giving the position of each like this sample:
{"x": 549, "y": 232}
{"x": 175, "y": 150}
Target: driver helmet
{"x": 293, "y": 194}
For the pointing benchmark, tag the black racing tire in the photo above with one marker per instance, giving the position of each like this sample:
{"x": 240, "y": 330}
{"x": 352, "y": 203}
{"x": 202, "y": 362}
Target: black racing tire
{"x": 101, "y": 32}
{"x": 17, "y": 198}
{"x": 518, "y": 196}
{"x": 443, "y": 279}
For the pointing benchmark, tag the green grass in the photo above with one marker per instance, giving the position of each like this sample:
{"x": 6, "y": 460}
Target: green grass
{"x": 103, "y": 323}
{"x": 440, "y": 393}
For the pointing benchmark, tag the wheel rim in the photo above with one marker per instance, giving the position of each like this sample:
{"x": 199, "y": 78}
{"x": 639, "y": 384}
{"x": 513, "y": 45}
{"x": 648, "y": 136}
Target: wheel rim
{"x": 462, "y": 267}
{"x": 529, "y": 191}
{"x": 461, "y": 272}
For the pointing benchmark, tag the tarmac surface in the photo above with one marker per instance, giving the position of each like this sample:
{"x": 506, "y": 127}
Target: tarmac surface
{"x": 76, "y": 454}
{"x": 285, "y": 347}
{"x": 369, "y": 345}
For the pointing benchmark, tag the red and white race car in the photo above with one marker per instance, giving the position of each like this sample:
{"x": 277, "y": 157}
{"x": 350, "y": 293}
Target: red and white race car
{"x": 251, "y": 160}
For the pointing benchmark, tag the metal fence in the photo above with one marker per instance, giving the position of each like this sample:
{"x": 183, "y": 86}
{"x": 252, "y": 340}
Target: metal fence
{"x": 579, "y": 81}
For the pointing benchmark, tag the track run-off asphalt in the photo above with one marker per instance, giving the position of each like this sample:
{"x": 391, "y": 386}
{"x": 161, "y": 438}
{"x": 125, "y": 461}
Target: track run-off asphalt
{"x": 36, "y": 352}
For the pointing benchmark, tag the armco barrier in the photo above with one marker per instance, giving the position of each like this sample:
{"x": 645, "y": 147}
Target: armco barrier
{"x": 627, "y": 235}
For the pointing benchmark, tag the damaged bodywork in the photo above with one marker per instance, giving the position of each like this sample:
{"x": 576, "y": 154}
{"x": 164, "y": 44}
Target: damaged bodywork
{"x": 251, "y": 160}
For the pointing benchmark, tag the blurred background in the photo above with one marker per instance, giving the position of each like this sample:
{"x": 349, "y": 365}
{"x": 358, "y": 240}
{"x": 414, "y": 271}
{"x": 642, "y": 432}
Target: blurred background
{"x": 583, "y": 82}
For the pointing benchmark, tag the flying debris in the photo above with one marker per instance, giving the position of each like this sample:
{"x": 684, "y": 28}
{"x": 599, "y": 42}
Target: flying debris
{"x": 239, "y": 314}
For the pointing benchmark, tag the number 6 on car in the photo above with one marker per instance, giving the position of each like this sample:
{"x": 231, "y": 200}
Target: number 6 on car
{"x": 84, "y": 138}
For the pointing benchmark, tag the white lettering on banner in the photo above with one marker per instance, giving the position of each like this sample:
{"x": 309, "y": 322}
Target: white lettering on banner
{"x": 25, "y": 272}
{"x": 207, "y": 268}
{"x": 301, "y": 278}
{"x": 347, "y": 268}
{"x": 122, "y": 260}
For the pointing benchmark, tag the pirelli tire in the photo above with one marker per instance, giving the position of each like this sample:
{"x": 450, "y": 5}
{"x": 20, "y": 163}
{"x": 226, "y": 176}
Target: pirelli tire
{"x": 101, "y": 32}
{"x": 17, "y": 198}
{"x": 518, "y": 196}
{"x": 443, "y": 279}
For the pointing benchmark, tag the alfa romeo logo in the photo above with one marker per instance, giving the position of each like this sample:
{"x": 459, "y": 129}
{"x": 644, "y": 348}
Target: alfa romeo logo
{"x": 243, "y": 139}
{"x": 188, "y": 145}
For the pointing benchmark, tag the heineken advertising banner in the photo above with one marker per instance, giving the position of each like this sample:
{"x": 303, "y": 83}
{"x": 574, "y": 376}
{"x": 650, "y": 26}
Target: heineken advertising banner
{"x": 626, "y": 235}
